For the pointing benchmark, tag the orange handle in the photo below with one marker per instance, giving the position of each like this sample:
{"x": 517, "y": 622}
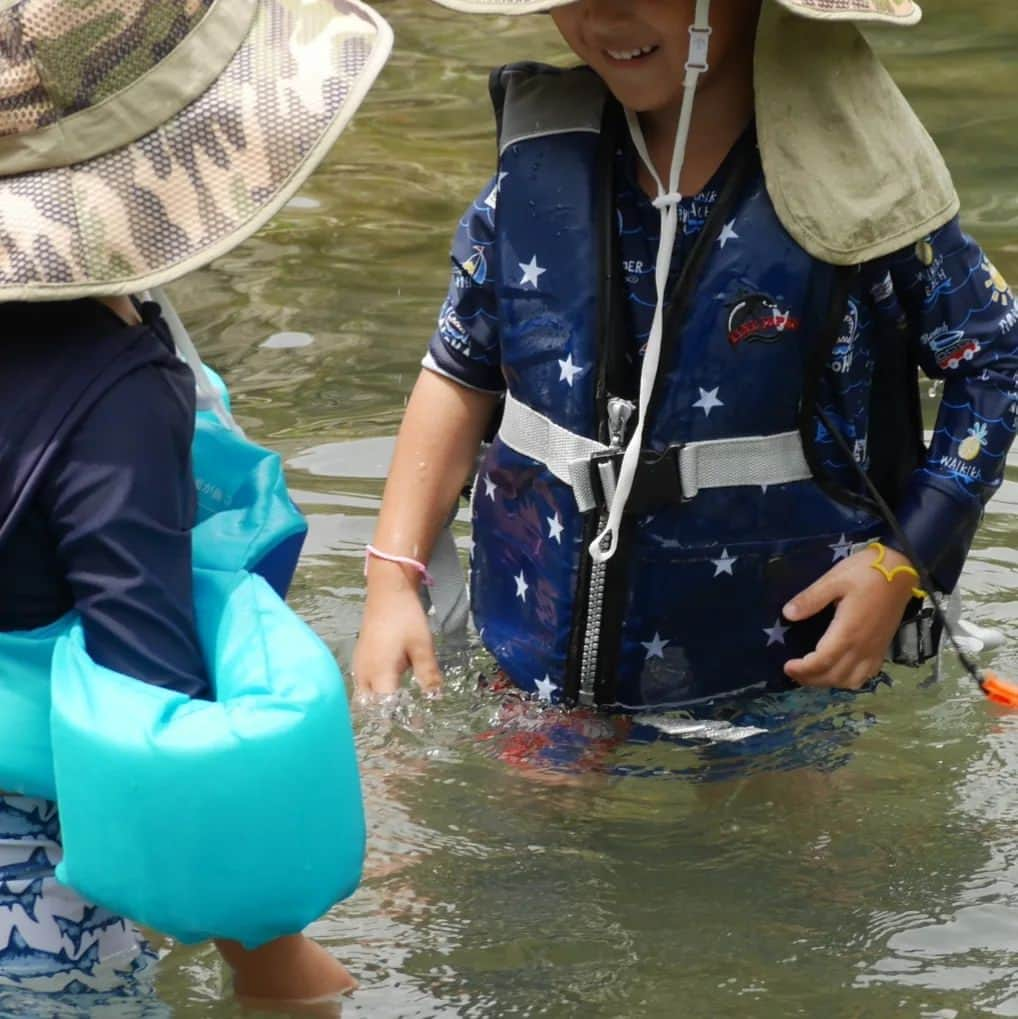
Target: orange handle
{"x": 1000, "y": 691}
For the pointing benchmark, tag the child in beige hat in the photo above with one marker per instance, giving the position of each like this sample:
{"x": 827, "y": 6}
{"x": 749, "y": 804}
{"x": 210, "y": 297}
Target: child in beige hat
{"x": 699, "y": 288}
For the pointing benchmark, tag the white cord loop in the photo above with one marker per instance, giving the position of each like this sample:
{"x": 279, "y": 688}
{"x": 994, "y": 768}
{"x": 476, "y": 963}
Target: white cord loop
{"x": 665, "y": 201}
{"x": 604, "y": 546}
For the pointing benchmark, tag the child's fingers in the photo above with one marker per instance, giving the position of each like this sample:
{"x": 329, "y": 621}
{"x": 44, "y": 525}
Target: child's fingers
{"x": 376, "y": 680}
{"x": 424, "y": 664}
{"x": 830, "y": 661}
{"x": 838, "y": 661}
{"x": 814, "y": 598}
{"x": 378, "y": 670}
{"x": 818, "y": 668}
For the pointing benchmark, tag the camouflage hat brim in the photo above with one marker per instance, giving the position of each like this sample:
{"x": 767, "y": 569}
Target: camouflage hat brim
{"x": 208, "y": 177}
{"x": 502, "y": 6}
{"x": 896, "y": 12}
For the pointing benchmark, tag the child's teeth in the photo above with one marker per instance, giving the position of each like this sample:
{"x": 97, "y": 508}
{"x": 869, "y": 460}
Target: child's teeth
{"x": 629, "y": 54}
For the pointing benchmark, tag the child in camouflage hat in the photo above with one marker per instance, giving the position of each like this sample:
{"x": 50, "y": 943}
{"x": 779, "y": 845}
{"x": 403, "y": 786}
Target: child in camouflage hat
{"x": 699, "y": 286}
{"x": 139, "y": 139}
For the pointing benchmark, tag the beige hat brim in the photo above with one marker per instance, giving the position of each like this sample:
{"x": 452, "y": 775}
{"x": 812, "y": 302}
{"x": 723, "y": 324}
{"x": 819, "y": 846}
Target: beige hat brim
{"x": 892, "y": 12}
{"x": 888, "y": 12}
{"x": 851, "y": 170}
{"x": 194, "y": 188}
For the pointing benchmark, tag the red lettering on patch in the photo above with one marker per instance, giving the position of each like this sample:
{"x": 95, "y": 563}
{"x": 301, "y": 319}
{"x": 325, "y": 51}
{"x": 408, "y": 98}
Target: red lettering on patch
{"x": 768, "y": 328}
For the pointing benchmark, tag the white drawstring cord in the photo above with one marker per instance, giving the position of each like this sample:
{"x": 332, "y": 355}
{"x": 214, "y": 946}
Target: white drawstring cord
{"x": 603, "y": 547}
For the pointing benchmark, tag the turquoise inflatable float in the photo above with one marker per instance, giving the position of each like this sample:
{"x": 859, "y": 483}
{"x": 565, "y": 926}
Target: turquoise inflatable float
{"x": 246, "y": 518}
{"x": 236, "y": 818}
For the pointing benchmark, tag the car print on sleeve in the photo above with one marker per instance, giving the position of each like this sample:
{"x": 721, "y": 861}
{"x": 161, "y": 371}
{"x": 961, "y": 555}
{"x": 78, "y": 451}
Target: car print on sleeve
{"x": 950, "y": 347}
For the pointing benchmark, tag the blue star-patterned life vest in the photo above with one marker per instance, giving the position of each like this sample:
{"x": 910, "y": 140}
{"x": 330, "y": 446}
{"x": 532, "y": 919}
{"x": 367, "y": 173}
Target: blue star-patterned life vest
{"x": 690, "y": 606}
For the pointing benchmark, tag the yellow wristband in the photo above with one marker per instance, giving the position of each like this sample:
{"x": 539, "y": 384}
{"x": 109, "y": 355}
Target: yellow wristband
{"x": 889, "y": 575}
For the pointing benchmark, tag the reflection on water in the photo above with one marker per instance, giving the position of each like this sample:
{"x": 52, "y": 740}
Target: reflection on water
{"x": 863, "y": 862}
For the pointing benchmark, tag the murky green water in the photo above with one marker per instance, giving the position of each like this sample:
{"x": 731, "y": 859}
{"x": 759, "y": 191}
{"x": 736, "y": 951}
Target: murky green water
{"x": 889, "y": 884}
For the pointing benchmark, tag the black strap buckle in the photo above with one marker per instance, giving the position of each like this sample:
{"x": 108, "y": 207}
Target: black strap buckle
{"x": 658, "y": 480}
{"x": 917, "y": 639}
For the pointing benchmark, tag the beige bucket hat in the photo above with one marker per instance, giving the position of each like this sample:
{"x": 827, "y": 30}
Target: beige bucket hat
{"x": 140, "y": 139}
{"x": 898, "y": 12}
{"x": 851, "y": 171}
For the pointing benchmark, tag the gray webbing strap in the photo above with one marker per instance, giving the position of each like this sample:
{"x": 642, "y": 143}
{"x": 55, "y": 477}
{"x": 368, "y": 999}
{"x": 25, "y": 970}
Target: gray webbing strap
{"x": 566, "y": 454}
{"x": 757, "y": 460}
{"x": 718, "y": 463}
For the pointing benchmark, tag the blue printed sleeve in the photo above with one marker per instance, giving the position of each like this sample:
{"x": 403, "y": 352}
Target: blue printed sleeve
{"x": 465, "y": 346}
{"x": 962, "y": 321}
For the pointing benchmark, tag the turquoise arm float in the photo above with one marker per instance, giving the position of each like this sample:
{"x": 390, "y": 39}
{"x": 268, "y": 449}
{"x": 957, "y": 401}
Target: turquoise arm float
{"x": 239, "y": 818}
{"x": 246, "y": 519}
{"x": 26, "y": 758}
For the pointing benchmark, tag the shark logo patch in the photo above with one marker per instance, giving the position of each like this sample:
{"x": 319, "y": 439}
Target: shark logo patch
{"x": 758, "y": 318}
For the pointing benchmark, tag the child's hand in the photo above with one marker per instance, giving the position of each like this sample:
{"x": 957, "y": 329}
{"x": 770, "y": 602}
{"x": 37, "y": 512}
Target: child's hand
{"x": 394, "y": 637}
{"x": 869, "y": 612}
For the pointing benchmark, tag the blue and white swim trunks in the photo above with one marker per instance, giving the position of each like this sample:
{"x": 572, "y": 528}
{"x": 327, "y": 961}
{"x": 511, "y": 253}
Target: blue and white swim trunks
{"x": 51, "y": 939}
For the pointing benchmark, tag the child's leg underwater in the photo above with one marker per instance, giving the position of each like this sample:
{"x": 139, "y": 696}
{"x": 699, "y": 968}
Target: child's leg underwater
{"x": 291, "y": 968}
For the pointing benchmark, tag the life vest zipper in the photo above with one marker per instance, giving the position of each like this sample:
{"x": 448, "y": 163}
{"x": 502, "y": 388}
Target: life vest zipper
{"x": 584, "y": 647}
{"x": 620, "y": 413}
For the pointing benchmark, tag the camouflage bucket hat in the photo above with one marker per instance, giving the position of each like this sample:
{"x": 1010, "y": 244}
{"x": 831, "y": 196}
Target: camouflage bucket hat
{"x": 140, "y": 139}
{"x": 892, "y": 12}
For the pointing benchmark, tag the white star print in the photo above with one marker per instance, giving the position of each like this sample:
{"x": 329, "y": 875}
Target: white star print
{"x": 489, "y": 488}
{"x": 521, "y": 587}
{"x": 568, "y": 371}
{"x": 841, "y": 549}
{"x": 555, "y": 529}
{"x": 532, "y": 272}
{"x": 728, "y": 234}
{"x": 492, "y": 200}
{"x": 708, "y": 400}
{"x": 776, "y": 633}
{"x": 656, "y": 647}
{"x": 724, "y": 564}
{"x": 545, "y": 688}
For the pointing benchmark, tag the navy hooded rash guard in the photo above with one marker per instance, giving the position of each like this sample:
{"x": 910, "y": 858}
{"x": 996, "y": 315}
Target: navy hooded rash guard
{"x": 97, "y": 497}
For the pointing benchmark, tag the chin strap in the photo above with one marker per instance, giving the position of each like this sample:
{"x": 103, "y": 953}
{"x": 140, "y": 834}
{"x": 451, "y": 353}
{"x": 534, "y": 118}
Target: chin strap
{"x": 603, "y": 547}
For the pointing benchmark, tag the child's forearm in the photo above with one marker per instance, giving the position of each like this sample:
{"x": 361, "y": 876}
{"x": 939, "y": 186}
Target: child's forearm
{"x": 435, "y": 452}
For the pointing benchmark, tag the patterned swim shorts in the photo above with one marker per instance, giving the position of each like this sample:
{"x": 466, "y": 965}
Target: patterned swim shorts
{"x": 50, "y": 938}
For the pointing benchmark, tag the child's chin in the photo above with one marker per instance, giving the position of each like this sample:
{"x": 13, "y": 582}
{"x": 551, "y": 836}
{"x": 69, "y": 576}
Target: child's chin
{"x": 640, "y": 100}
